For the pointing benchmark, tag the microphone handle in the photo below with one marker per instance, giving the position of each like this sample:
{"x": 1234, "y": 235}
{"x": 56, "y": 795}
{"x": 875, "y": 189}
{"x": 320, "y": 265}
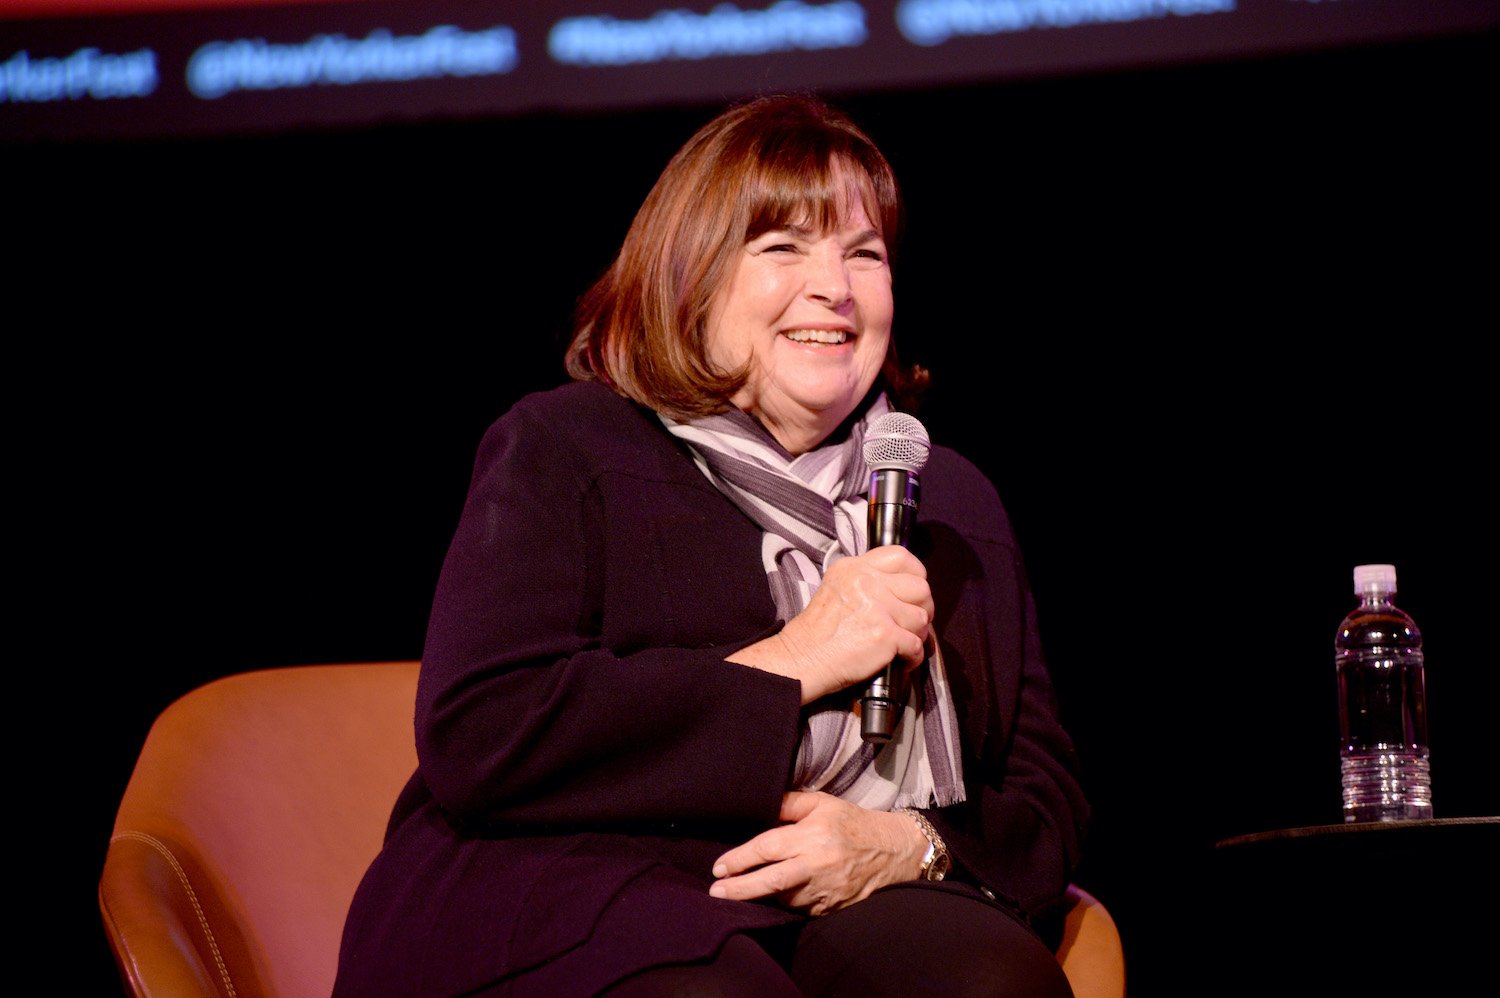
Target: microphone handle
{"x": 894, "y": 493}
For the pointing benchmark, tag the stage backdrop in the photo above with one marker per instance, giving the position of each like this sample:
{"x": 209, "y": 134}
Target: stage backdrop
{"x": 152, "y": 67}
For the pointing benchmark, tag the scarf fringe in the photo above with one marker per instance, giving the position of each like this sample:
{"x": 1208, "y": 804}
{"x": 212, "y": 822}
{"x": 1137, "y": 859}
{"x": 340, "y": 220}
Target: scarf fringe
{"x": 937, "y": 797}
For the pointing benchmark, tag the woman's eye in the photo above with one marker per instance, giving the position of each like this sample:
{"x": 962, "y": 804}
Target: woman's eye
{"x": 869, "y": 254}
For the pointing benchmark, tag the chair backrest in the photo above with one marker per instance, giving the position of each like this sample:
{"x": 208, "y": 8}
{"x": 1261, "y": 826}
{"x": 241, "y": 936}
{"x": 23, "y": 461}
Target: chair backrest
{"x": 257, "y": 803}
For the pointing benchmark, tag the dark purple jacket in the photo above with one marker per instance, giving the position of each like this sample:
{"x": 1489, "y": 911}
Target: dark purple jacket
{"x": 585, "y": 752}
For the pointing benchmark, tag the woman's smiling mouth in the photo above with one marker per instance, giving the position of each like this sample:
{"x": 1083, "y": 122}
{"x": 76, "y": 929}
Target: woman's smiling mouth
{"x": 831, "y": 336}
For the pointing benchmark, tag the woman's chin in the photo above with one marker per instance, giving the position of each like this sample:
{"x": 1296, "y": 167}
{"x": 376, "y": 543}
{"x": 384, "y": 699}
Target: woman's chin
{"x": 802, "y": 422}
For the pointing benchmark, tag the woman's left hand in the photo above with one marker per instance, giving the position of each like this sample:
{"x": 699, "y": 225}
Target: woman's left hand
{"x": 830, "y": 855}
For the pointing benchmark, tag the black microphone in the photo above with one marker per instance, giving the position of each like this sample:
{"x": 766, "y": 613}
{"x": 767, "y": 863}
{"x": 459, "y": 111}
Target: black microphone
{"x": 896, "y": 449}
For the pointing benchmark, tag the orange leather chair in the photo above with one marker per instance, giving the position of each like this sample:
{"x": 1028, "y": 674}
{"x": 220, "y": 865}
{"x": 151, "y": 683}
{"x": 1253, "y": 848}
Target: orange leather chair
{"x": 256, "y": 804}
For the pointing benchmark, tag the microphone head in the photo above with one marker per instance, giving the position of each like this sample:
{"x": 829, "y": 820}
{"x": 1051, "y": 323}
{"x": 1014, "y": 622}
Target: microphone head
{"x": 896, "y": 440}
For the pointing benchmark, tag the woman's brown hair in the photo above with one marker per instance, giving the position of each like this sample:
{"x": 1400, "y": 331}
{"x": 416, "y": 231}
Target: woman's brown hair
{"x": 762, "y": 165}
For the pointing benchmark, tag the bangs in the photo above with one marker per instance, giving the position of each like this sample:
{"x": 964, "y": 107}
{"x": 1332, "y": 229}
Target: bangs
{"x": 817, "y": 189}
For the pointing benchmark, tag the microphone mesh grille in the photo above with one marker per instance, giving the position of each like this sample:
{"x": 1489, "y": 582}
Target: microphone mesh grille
{"x": 897, "y": 440}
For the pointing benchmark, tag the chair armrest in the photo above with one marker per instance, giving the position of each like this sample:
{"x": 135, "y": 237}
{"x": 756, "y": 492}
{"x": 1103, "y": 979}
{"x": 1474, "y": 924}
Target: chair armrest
{"x": 1091, "y": 953}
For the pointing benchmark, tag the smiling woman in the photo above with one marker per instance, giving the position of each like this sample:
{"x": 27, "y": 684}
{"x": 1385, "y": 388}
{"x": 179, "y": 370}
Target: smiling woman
{"x": 640, "y": 761}
{"x": 755, "y": 172}
{"x": 807, "y": 317}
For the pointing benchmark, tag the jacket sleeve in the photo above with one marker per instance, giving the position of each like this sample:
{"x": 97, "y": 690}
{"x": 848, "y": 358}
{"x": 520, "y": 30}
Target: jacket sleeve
{"x": 527, "y": 714}
{"x": 1020, "y": 830}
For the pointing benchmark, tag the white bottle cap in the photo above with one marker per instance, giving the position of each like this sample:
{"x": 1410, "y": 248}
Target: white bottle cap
{"x": 1374, "y": 579}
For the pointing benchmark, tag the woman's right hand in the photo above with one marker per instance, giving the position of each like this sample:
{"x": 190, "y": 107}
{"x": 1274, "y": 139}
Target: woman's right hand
{"x": 869, "y": 610}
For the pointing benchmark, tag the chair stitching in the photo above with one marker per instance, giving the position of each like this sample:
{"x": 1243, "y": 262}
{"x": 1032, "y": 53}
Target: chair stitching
{"x": 166, "y": 852}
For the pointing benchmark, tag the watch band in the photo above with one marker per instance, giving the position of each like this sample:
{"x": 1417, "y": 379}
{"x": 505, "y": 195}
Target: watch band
{"x": 935, "y": 863}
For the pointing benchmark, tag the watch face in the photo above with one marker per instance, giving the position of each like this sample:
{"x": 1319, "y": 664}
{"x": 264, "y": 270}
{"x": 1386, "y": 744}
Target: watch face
{"x": 941, "y": 864}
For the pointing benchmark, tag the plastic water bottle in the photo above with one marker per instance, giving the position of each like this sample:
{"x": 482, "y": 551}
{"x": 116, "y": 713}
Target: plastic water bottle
{"x": 1382, "y": 705}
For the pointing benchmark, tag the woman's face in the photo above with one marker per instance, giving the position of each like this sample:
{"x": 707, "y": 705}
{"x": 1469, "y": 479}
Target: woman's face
{"x": 810, "y": 313}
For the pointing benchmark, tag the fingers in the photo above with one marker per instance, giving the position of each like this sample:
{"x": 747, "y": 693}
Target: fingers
{"x": 894, "y": 558}
{"x": 869, "y": 610}
{"x": 889, "y": 579}
{"x": 798, "y": 804}
{"x": 773, "y": 863}
{"x": 903, "y": 573}
{"x": 763, "y": 867}
{"x": 891, "y": 583}
{"x": 830, "y": 855}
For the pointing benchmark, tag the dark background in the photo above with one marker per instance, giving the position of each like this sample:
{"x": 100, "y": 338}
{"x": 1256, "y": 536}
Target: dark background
{"x": 1218, "y": 333}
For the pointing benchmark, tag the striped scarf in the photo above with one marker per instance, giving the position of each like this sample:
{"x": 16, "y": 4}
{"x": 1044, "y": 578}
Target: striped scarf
{"x": 813, "y": 510}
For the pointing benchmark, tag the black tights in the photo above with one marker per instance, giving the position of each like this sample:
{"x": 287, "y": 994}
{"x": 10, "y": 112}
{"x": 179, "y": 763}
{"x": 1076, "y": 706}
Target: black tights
{"x": 903, "y": 941}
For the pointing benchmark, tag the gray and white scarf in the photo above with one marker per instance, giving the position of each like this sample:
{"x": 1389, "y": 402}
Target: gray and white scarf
{"x": 813, "y": 510}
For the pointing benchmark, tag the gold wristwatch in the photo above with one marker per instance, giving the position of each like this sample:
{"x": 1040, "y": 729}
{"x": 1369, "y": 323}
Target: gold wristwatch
{"x": 936, "y": 863}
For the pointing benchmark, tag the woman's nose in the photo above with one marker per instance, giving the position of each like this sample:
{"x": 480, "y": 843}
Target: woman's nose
{"x": 828, "y": 278}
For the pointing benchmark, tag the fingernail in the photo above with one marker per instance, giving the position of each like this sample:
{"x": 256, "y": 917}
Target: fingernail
{"x": 720, "y": 870}
{"x": 716, "y": 889}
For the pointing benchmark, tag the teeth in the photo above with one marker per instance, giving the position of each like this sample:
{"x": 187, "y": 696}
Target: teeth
{"x": 817, "y": 335}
